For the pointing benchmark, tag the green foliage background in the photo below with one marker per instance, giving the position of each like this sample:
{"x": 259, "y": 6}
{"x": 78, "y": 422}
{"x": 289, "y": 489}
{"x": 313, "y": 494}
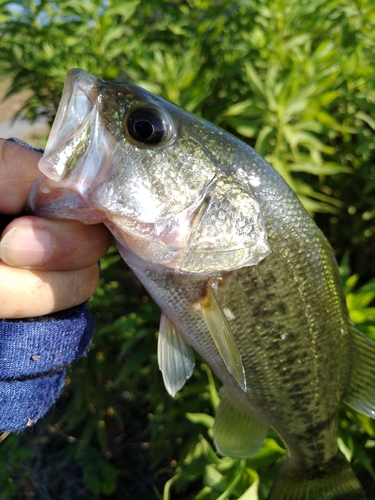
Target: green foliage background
{"x": 294, "y": 79}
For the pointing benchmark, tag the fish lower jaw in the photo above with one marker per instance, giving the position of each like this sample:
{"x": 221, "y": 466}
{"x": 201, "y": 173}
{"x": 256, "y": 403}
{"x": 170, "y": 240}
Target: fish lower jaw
{"x": 65, "y": 204}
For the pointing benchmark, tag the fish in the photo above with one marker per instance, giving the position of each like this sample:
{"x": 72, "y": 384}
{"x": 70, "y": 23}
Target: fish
{"x": 242, "y": 274}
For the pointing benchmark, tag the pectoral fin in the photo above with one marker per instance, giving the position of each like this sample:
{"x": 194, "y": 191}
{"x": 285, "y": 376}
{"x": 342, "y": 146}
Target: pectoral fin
{"x": 237, "y": 432}
{"x": 361, "y": 392}
{"x": 222, "y": 335}
{"x": 175, "y": 356}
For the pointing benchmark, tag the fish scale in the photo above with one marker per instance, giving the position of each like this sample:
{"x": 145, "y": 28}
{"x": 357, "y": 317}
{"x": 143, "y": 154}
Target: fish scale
{"x": 265, "y": 328}
{"x": 239, "y": 269}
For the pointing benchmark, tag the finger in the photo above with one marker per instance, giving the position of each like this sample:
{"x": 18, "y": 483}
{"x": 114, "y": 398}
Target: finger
{"x": 18, "y": 169}
{"x": 56, "y": 245}
{"x": 25, "y": 293}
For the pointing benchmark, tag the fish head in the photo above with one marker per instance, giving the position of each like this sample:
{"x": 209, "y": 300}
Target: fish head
{"x": 165, "y": 182}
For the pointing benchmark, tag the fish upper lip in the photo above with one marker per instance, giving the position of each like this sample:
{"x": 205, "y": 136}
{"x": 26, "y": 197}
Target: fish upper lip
{"x": 82, "y": 95}
{"x": 69, "y": 128}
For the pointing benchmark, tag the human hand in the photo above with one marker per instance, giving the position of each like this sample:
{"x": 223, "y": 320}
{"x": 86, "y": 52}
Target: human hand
{"x": 46, "y": 265}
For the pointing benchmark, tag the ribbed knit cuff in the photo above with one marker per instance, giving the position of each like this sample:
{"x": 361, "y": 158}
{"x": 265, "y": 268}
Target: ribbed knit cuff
{"x": 33, "y": 356}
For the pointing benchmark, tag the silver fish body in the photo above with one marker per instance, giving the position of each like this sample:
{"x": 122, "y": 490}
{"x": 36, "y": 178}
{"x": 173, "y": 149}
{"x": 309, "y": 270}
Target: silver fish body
{"x": 240, "y": 271}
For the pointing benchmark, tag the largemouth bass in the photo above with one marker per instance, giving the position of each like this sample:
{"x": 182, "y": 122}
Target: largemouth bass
{"x": 239, "y": 269}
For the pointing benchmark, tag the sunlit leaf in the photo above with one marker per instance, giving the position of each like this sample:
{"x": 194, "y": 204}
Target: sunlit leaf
{"x": 201, "y": 418}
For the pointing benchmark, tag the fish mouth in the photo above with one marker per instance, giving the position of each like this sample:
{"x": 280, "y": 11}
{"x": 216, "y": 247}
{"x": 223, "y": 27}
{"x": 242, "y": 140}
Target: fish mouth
{"x": 76, "y": 155}
{"x": 70, "y": 132}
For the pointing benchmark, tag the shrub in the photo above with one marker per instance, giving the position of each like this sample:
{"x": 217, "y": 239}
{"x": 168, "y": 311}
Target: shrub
{"x": 292, "y": 78}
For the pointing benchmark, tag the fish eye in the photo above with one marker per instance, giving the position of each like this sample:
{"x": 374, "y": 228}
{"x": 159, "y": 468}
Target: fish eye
{"x": 145, "y": 126}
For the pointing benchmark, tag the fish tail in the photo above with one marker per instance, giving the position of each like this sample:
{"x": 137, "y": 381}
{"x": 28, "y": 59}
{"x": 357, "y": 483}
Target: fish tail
{"x": 336, "y": 482}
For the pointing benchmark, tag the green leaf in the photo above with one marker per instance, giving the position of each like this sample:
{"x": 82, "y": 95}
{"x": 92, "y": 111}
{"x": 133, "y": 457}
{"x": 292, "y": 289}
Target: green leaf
{"x": 254, "y": 79}
{"x": 201, "y": 418}
{"x": 366, "y": 118}
{"x": 124, "y": 8}
{"x": 239, "y": 108}
{"x": 214, "y": 479}
{"x": 252, "y": 492}
{"x": 328, "y": 168}
{"x": 263, "y": 140}
{"x": 242, "y": 126}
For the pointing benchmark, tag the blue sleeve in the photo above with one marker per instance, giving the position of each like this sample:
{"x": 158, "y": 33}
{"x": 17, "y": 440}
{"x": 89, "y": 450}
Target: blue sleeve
{"x": 33, "y": 356}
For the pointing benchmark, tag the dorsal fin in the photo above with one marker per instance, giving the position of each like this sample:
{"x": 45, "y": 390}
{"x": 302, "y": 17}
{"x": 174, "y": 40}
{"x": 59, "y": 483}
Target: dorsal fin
{"x": 222, "y": 335}
{"x": 175, "y": 356}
